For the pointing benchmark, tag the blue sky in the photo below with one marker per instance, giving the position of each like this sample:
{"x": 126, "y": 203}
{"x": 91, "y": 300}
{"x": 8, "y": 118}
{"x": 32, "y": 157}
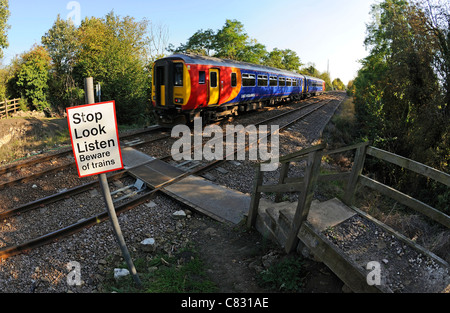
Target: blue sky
{"x": 318, "y": 30}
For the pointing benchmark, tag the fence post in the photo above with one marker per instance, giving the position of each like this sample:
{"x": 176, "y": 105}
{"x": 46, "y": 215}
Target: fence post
{"x": 283, "y": 174}
{"x": 6, "y": 108}
{"x": 357, "y": 168}
{"x": 256, "y": 196}
{"x": 305, "y": 198}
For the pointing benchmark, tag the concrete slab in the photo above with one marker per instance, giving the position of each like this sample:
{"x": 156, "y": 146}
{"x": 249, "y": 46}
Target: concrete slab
{"x": 156, "y": 173}
{"x": 329, "y": 213}
{"x": 321, "y": 215}
{"x": 214, "y": 200}
{"x": 133, "y": 158}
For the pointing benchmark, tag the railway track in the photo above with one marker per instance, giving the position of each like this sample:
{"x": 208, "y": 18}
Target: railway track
{"x": 11, "y": 174}
{"x": 287, "y": 118}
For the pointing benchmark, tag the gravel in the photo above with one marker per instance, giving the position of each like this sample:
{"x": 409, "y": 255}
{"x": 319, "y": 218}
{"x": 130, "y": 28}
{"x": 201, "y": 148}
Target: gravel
{"x": 402, "y": 268}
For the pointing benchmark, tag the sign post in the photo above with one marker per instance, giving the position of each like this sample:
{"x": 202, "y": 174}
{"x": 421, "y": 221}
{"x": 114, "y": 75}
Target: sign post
{"x": 96, "y": 147}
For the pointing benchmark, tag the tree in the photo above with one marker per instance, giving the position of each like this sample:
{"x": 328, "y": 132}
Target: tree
{"x": 4, "y": 15}
{"x": 32, "y": 77}
{"x": 62, "y": 45}
{"x": 338, "y": 84}
{"x": 283, "y": 59}
{"x": 114, "y": 51}
{"x": 201, "y": 43}
{"x": 231, "y": 40}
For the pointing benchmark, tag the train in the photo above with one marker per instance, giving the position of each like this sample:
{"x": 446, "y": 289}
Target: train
{"x": 187, "y": 86}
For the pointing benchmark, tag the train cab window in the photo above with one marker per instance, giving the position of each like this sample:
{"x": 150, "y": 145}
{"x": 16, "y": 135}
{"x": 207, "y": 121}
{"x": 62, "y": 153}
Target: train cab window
{"x": 248, "y": 80}
{"x": 262, "y": 80}
{"x": 282, "y": 81}
{"x": 178, "y": 74}
{"x": 288, "y": 82}
{"x": 233, "y": 79}
{"x": 201, "y": 77}
{"x": 273, "y": 82}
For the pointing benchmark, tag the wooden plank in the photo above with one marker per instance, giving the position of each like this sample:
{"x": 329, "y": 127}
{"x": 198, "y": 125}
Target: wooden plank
{"x": 290, "y": 187}
{"x": 409, "y": 201}
{"x": 283, "y": 175}
{"x": 345, "y": 149}
{"x": 336, "y": 260}
{"x": 356, "y": 171}
{"x": 301, "y": 152}
{"x": 256, "y": 196}
{"x": 410, "y": 165}
{"x": 304, "y": 200}
{"x": 334, "y": 177}
{"x": 322, "y": 178}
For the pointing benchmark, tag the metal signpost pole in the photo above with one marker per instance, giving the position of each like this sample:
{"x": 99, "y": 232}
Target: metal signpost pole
{"x": 89, "y": 96}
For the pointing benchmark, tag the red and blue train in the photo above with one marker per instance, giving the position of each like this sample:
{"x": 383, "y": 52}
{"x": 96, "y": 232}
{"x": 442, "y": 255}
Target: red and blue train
{"x": 187, "y": 86}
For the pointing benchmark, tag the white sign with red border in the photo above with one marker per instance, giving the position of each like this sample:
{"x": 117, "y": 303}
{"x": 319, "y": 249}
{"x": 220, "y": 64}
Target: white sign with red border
{"x": 95, "y": 138}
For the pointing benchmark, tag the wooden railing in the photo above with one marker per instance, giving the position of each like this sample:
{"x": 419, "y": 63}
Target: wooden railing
{"x": 305, "y": 185}
{"x": 8, "y": 107}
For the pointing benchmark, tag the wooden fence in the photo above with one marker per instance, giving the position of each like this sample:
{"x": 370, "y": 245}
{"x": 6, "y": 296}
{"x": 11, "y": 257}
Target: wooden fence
{"x": 305, "y": 185}
{"x": 8, "y": 107}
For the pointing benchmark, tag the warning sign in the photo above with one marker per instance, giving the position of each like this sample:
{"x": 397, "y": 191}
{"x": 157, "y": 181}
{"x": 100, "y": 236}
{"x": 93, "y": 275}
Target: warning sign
{"x": 95, "y": 138}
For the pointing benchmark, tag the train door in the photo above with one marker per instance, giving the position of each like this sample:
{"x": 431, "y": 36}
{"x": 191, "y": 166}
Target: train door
{"x": 160, "y": 85}
{"x": 214, "y": 89}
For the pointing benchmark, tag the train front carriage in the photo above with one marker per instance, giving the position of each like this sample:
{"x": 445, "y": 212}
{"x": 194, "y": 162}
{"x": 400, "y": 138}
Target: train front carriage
{"x": 171, "y": 90}
{"x": 186, "y": 86}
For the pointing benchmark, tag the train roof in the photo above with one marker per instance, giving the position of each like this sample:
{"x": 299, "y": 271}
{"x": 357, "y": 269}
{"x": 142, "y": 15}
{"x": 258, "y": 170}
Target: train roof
{"x": 207, "y": 60}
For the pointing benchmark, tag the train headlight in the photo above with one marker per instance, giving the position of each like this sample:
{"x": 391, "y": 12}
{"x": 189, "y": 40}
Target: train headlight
{"x": 179, "y": 100}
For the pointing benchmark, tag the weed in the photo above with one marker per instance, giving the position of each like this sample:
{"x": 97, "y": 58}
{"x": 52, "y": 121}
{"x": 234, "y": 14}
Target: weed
{"x": 182, "y": 273}
{"x": 286, "y": 275}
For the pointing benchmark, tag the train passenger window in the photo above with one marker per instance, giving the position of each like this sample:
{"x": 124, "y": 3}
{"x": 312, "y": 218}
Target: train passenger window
{"x": 178, "y": 74}
{"x": 233, "y": 79}
{"x": 248, "y": 80}
{"x": 262, "y": 80}
{"x": 201, "y": 77}
{"x": 273, "y": 82}
{"x": 282, "y": 81}
{"x": 294, "y": 82}
{"x": 288, "y": 82}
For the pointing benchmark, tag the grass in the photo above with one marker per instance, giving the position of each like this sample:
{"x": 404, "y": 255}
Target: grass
{"x": 286, "y": 275}
{"x": 343, "y": 124}
{"x": 182, "y": 273}
{"x": 34, "y": 135}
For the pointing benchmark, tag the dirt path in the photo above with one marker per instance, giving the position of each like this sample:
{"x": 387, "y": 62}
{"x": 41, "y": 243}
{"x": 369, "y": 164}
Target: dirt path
{"x": 234, "y": 256}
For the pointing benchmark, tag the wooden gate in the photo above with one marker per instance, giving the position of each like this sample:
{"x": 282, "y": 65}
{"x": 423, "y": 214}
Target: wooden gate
{"x": 8, "y": 107}
{"x": 302, "y": 233}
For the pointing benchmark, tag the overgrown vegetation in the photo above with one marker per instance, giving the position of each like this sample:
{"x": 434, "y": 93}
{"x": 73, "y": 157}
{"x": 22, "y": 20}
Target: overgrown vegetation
{"x": 402, "y": 93}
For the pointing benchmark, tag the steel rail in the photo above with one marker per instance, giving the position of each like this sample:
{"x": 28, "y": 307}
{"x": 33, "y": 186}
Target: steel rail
{"x": 56, "y": 197}
{"x": 16, "y": 166}
{"x": 62, "y": 167}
